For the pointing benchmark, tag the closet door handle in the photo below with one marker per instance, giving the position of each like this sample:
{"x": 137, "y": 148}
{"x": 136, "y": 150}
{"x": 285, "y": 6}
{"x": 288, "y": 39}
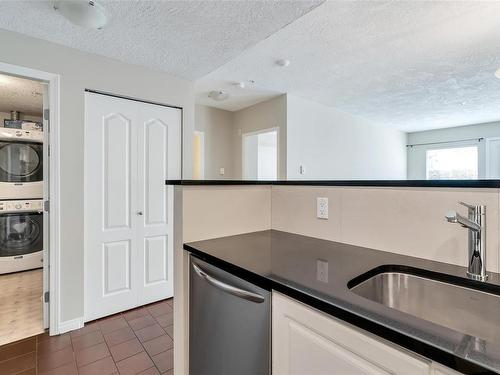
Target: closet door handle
{"x": 140, "y": 213}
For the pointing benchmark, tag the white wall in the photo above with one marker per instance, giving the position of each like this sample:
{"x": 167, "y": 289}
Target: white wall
{"x": 218, "y": 128}
{"x": 408, "y": 221}
{"x": 219, "y": 125}
{"x": 78, "y": 71}
{"x": 264, "y": 115}
{"x": 336, "y": 145}
{"x": 417, "y": 154}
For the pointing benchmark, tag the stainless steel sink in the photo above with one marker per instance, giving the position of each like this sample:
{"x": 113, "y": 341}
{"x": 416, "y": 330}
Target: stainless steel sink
{"x": 462, "y": 309}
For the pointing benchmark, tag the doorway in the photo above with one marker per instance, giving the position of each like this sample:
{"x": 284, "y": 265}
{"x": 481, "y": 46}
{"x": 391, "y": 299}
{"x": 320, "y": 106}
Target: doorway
{"x": 260, "y": 155}
{"x": 22, "y": 251}
{"x": 27, "y": 233}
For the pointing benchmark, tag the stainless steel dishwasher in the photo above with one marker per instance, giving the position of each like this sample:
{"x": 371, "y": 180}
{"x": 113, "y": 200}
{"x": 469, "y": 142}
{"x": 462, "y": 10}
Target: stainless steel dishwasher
{"x": 229, "y": 323}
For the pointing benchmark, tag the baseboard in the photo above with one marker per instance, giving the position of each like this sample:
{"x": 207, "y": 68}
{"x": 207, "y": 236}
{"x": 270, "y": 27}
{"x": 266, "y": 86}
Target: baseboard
{"x": 71, "y": 325}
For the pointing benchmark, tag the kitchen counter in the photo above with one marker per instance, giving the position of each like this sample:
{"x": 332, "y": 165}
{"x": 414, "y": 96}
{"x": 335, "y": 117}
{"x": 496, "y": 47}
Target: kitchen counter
{"x": 287, "y": 263}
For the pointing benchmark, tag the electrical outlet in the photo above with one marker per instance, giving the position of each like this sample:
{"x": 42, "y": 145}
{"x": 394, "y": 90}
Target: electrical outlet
{"x": 322, "y": 270}
{"x": 322, "y": 208}
{"x": 222, "y": 171}
{"x": 302, "y": 169}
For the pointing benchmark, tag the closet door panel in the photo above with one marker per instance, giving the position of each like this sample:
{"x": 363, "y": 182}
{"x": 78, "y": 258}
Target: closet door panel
{"x": 156, "y": 170}
{"x": 155, "y": 260}
{"x": 116, "y": 167}
{"x": 159, "y": 159}
{"x": 110, "y": 205}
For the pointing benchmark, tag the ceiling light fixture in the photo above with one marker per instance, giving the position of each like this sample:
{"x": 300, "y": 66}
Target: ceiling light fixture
{"x": 241, "y": 84}
{"x": 218, "y": 95}
{"x": 85, "y": 13}
{"x": 497, "y": 73}
{"x": 283, "y": 62}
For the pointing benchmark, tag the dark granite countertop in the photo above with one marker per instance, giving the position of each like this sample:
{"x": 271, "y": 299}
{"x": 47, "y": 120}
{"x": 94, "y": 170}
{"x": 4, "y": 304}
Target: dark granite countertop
{"x": 352, "y": 183}
{"x": 287, "y": 263}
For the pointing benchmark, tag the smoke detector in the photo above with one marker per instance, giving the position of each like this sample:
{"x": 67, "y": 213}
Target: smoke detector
{"x": 218, "y": 95}
{"x": 84, "y": 13}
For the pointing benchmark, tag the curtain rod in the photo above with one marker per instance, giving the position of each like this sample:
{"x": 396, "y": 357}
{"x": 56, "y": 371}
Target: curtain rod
{"x": 440, "y": 143}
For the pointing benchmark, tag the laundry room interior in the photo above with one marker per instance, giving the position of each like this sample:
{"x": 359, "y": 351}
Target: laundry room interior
{"x": 23, "y": 268}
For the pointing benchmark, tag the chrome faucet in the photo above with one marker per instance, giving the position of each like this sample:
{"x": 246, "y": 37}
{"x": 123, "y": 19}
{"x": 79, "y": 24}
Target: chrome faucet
{"x": 476, "y": 224}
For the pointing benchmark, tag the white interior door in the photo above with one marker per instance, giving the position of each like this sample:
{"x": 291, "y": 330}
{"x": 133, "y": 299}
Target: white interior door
{"x": 131, "y": 148}
{"x": 110, "y": 205}
{"x": 159, "y": 159}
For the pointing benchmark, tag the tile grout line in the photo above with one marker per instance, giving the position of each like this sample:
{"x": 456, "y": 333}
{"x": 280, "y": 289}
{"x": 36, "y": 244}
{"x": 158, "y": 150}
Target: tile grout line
{"x": 140, "y": 342}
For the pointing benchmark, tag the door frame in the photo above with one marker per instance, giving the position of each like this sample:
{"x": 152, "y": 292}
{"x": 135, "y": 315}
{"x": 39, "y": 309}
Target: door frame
{"x": 54, "y": 265}
{"x": 256, "y": 132}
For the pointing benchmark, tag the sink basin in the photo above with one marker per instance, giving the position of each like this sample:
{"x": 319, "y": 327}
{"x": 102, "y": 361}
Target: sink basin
{"x": 470, "y": 311}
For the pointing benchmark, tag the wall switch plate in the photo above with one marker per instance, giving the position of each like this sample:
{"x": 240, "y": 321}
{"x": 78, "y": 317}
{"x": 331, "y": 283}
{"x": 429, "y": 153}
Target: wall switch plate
{"x": 222, "y": 171}
{"x": 322, "y": 270}
{"x": 322, "y": 208}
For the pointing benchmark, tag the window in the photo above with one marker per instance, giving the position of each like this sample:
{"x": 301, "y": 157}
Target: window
{"x": 452, "y": 163}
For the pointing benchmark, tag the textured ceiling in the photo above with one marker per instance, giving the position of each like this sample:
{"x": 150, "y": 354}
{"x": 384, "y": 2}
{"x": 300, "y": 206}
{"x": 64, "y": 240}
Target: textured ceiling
{"x": 185, "y": 38}
{"x": 18, "y": 94}
{"x": 413, "y": 65}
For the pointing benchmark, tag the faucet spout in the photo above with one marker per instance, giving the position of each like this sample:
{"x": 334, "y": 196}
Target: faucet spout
{"x": 476, "y": 225}
{"x": 454, "y": 217}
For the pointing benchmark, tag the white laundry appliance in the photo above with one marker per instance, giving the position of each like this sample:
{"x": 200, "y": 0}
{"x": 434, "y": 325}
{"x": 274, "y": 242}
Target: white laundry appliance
{"x": 21, "y": 235}
{"x": 21, "y": 164}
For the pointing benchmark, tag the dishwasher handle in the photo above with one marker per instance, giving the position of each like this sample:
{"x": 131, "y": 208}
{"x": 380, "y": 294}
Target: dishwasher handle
{"x": 249, "y": 296}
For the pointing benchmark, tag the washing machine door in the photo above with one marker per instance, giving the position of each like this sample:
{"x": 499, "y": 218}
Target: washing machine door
{"x": 21, "y": 162}
{"x": 20, "y": 233}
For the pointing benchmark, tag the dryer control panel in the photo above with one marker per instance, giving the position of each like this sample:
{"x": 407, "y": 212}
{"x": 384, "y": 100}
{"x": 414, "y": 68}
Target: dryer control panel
{"x": 8, "y": 134}
{"x": 35, "y": 205}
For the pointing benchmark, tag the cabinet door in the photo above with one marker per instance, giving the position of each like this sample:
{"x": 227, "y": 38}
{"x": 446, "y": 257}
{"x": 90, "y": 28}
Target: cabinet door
{"x": 159, "y": 138}
{"x": 110, "y": 205}
{"x": 306, "y": 341}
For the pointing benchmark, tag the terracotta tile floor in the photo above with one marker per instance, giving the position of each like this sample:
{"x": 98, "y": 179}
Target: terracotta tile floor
{"x": 138, "y": 341}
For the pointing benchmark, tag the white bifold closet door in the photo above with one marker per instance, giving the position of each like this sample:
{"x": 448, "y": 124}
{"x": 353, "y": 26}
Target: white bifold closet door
{"x": 131, "y": 148}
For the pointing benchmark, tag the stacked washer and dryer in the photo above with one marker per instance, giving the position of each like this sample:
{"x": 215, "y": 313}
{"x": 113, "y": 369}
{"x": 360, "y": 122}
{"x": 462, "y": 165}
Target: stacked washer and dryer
{"x": 21, "y": 200}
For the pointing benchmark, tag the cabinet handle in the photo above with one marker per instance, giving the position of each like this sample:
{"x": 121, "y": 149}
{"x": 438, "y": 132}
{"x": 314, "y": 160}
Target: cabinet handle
{"x": 139, "y": 213}
{"x": 249, "y": 296}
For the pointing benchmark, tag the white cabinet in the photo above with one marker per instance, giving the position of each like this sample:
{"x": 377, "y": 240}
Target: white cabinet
{"x": 306, "y": 341}
{"x": 131, "y": 148}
